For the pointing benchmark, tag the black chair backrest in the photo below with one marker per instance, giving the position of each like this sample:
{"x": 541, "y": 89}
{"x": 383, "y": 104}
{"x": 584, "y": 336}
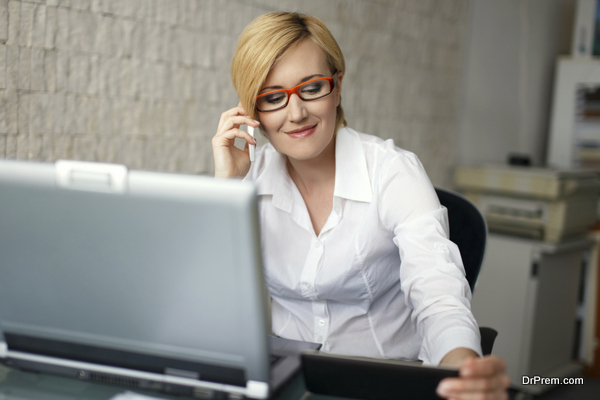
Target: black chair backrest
{"x": 467, "y": 229}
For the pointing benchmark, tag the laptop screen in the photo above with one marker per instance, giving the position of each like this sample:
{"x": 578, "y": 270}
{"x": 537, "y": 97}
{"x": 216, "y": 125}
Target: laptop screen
{"x": 161, "y": 265}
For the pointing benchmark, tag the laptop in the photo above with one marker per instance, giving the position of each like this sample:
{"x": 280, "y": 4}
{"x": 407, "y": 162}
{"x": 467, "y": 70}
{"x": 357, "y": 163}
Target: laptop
{"x": 143, "y": 279}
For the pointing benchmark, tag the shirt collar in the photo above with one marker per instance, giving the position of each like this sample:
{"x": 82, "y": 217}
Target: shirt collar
{"x": 352, "y": 180}
{"x": 275, "y": 180}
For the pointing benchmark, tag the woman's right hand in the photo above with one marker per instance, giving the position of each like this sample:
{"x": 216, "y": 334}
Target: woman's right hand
{"x": 230, "y": 161}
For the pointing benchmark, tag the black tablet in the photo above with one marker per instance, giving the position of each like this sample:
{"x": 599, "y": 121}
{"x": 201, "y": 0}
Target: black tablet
{"x": 371, "y": 378}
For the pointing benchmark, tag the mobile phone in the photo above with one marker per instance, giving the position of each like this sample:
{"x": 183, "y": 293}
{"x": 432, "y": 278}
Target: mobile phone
{"x": 252, "y": 147}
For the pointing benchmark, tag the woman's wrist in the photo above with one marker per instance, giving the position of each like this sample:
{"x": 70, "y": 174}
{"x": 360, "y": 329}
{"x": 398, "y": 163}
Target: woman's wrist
{"x": 455, "y": 357}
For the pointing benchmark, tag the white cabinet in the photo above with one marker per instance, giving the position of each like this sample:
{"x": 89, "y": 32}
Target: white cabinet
{"x": 528, "y": 291}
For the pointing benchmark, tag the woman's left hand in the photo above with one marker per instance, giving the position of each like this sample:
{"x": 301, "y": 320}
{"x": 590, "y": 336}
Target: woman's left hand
{"x": 479, "y": 378}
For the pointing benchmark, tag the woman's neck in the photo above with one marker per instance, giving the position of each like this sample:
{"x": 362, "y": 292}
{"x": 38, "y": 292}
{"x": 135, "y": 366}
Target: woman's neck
{"x": 313, "y": 174}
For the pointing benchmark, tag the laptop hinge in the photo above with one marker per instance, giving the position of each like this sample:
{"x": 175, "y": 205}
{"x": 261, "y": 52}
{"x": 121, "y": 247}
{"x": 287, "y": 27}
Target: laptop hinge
{"x": 3, "y": 350}
{"x": 90, "y": 176}
{"x": 182, "y": 374}
{"x": 257, "y": 390}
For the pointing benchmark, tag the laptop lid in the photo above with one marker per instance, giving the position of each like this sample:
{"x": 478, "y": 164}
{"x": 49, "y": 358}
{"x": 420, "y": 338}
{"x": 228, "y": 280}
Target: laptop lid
{"x": 134, "y": 270}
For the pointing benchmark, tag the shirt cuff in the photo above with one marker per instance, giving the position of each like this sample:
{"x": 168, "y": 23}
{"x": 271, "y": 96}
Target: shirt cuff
{"x": 451, "y": 339}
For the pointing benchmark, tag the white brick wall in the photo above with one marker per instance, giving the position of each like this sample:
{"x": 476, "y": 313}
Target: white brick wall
{"x": 143, "y": 82}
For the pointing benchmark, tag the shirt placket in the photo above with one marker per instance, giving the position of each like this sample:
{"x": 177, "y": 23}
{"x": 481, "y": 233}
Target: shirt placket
{"x": 308, "y": 278}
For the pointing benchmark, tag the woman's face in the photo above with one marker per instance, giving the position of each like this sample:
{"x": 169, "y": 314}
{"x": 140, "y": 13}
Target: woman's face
{"x": 302, "y": 129}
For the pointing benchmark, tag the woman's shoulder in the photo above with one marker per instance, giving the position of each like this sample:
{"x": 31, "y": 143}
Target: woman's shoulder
{"x": 384, "y": 153}
{"x": 398, "y": 179}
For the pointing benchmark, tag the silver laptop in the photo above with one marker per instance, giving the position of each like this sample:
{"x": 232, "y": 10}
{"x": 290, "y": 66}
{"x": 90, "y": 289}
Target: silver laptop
{"x": 144, "y": 279}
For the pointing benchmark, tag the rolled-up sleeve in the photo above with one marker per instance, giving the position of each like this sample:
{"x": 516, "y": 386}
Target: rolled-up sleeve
{"x": 431, "y": 272}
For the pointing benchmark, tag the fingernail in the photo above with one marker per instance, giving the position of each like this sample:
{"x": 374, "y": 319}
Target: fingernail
{"x": 443, "y": 388}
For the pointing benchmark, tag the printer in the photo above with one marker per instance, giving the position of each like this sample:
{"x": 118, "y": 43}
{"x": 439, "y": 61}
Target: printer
{"x": 540, "y": 203}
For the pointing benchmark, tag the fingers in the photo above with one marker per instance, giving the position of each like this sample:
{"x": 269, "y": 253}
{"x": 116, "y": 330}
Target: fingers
{"x": 229, "y": 127}
{"x": 452, "y": 386}
{"x": 478, "y": 396}
{"x": 226, "y": 138}
{"x": 236, "y": 111}
{"x": 487, "y": 366}
{"x": 236, "y": 121}
{"x": 229, "y": 160}
{"x": 482, "y": 378}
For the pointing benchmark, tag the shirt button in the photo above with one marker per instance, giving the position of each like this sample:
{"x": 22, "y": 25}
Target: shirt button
{"x": 321, "y": 322}
{"x": 319, "y": 339}
{"x": 317, "y": 245}
{"x": 440, "y": 247}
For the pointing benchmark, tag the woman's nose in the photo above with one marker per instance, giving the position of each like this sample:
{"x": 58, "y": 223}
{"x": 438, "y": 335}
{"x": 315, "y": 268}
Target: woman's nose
{"x": 296, "y": 108}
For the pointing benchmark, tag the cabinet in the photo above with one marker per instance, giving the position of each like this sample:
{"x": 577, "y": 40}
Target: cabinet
{"x": 529, "y": 292}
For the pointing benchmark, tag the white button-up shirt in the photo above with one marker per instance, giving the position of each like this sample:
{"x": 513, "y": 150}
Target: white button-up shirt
{"x": 381, "y": 279}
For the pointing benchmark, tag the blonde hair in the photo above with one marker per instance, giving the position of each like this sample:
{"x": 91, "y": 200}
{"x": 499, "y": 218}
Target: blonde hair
{"x": 266, "y": 40}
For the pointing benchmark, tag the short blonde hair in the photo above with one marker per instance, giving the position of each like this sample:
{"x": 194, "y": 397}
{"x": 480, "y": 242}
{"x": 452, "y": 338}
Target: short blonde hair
{"x": 265, "y": 40}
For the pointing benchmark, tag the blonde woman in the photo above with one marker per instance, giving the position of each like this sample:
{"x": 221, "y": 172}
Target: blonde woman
{"x": 355, "y": 242}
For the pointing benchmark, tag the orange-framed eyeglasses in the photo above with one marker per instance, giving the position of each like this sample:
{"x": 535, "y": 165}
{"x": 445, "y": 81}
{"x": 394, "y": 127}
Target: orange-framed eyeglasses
{"x": 307, "y": 91}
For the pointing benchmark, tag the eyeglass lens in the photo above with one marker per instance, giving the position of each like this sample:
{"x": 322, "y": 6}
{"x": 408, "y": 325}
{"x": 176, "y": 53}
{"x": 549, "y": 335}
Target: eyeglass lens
{"x": 279, "y": 98}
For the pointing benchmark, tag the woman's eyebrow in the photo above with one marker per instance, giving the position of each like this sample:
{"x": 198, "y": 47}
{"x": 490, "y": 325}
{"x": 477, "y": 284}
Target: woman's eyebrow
{"x": 305, "y": 79}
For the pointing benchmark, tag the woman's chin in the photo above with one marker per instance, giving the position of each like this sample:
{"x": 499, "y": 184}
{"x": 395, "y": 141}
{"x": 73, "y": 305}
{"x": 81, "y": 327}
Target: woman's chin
{"x": 302, "y": 153}
{"x": 304, "y": 149}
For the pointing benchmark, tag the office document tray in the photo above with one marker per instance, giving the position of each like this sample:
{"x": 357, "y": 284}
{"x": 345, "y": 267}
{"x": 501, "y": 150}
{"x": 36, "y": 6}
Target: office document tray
{"x": 540, "y": 203}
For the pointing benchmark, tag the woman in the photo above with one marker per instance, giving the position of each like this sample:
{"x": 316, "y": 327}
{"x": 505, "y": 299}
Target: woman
{"x": 354, "y": 239}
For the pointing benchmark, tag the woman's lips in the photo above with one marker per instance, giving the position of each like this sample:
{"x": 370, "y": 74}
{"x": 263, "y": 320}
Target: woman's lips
{"x": 302, "y": 132}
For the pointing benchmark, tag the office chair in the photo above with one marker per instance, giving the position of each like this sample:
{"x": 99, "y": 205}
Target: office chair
{"x": 468, "y": 231}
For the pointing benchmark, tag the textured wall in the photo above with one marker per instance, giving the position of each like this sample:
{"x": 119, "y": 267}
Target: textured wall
{"x": 143, "y": 82}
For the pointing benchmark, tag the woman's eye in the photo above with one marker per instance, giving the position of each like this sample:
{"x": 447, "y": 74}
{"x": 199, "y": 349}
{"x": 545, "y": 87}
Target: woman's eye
{"x": 274, "y": 98}
{"x": 312, "y": 88}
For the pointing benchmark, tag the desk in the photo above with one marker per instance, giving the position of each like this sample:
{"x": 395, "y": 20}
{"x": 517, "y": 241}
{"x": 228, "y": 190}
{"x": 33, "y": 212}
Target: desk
{"x": 20, "y": 385}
